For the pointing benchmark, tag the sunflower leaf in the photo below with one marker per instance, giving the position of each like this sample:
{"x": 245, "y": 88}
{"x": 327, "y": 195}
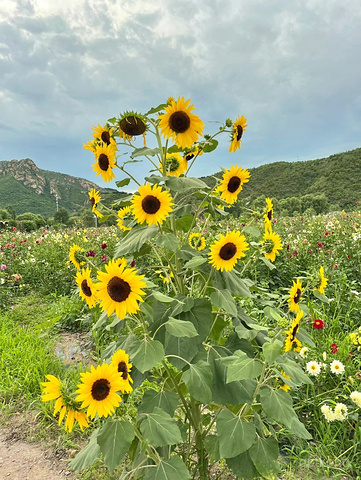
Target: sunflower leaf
{"x": 156, "y": 109}
{"x": 171, "y": 469}
{"x": 122, "y": 183}
{"x": 264, "y": 454}
{"x": 198, "y": 380}
{"x": 143, "y": 151}
{"x": 210, "y": 145}
{"x": 87, "y": 456}
{"x": 235, "y": 435}
{"x": 181, "y": 184}
{"x": 135, "y": 239}
{"x": 146, "y": 354}
{"x": 180, "y": 328}
{"x": 223, "y": 299}
{"x": 160, "y": 429}
{"x": 114, "y": 440}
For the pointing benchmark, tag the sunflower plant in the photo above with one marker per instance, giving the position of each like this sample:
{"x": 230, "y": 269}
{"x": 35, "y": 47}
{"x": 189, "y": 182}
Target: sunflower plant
{"x": 205, "y": 388}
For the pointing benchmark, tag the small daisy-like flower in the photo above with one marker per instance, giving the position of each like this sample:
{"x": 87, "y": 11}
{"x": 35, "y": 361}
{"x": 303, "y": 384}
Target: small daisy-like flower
{"x": 303, "y": 352}
{"x": 318, "y": 324}
{"x": 334, "y": 348}
{"x": 356, "y": 398}
{"x": 337, "y": 367}
{"x": 328, "y": 413}
{"x": 340, "y": 411}
{"x": 197, "y": 241}
{"x": 239, "y": 127}
{"x": 295, "y": 296}
{"x": 313, "y": 368}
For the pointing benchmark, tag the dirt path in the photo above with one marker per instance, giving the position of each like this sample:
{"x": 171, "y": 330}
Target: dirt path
{"x": 25, "y": 461}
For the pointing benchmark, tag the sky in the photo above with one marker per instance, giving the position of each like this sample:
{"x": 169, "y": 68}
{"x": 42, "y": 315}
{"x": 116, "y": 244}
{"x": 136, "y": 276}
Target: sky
{"x": 291, "y": 67}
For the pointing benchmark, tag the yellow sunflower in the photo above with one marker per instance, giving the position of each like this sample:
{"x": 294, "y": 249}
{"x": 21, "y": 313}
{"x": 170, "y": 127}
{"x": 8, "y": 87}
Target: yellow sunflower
{"x": 295, "y": 296}
{"x": 179, "y": 124}
{"x": 152, "y": 205}
{"x": 175, "y": 165}
{"x": 75, "y": 256}
{"x": 269, "y": 213}
{"x": 51, "y": 389}
{"x": 77, "y": 415}
{"x": 87, "y": 289}
{"x": 323, "y": 282}
{"x": 239, "y": 127}
{"x": 91, "y": 146}
{"x": 120, "y": 360}
{"x": 285, "y": 387}
{"x": 292, "y": 341}
{"x": 197, "y": 241}
{"x": 191, "y": 153}
{"x": 94, "y": 200}
{"x": 119, "y": 289}
{"x": 225, "y": 252}
{"x": 104, "y": 134}
{"x": 271, "y": 244}
{"x": 97, "y": 392}
{"x": 121, "y": 214}
{"x": 105, "y": 161}
{"x": 232, "y": 183}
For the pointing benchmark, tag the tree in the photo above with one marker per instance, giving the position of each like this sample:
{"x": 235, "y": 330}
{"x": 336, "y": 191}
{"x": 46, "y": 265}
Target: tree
{"x": 61, "y": 216}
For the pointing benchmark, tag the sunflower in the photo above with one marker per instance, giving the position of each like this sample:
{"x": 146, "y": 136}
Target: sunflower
{"x": 51, "y": 389}
{"x": 239, "y": 127}
{"x": 152, "y": 205}
{"x": 269, "y": 213}
{"x": 197, "y": 241}
{"x": 119, "y": 289}
{"x": 77, "y": 415}
{"x": 285, "y": 387}
{"x": 105, "y": 161}
{"x": 295, "y": 296}
{"x": 104, "y": 134}
{"x": 180, "y": 124}
{"x": 292, "y": 341}
{"x": 120, "y": 360}
{"x": 91, "y": 146}
{"x": 132, "y": 124}
{"x": 87, "y": 290}
{"x": 193, "y": 152}
{"x": 225, "y": 252}
{"x": 74, "y": 255}
{"x": 232, "y": 183}
{"x": 175, "y": 165}
{"x": 121, "y": 214}
{"x": 271, "y": 244}
{"x": 98, "y": 390}
{"x": 323, "y": 282}
{"x": 94, "y": 200}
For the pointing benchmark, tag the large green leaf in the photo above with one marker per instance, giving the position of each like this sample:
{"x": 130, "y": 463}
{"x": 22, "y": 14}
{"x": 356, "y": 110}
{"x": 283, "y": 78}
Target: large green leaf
{"x": 135, "y": 239}
{"x": 195, "y": 262}
{"x": 235, "y": 436}
{"x": 180, "y": 328}
{"x": 146, "y": 354}
{"x": 278, "y": 405}
{"x": 264, "y": 454}
{"x": 223, "y": 299}
{"x": 114, "y": 440}
{"x": 198, "y": 380}
{"x": 242, "y": 466}
{"x": 184, "y": 223}
{"x": 181, "y": 184}
{"x": 141, "y": 152}
{"x": 272, "y": 351}
{"x": 241, "y": 367}
{"x": 232, "y": 282}
{"x": 86, "y": 457}
{"x": 171, "y": 469}
{"x": 295, "y": 372}
{"x": 167, "y": 401}
{"x": 160, "y": 429}
{"x": 169, "y": 241}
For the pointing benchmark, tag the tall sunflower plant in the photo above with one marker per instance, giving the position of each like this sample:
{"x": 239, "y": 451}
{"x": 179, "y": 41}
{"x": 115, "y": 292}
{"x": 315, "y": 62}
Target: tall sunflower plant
{"x": 190, "y": 383}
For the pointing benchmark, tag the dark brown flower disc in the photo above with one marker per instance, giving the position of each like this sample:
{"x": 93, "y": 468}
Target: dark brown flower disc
{"x": 179, "y": 122}
{"x": 122, "y": 368}
{"x": 132, "y": 126}
{"x": 150, "y": 204}
{"x": 118, "y": 289}
{"x": 233, "y": 184}
{"x": 105, "y": 137}
{"x": 103, "y": 162}
{"x": 85, "y": 288}
{"x": 100, "y": 389}
{"x": 239, "y": 132}
{"x": 228, "y": 251}
{"x": 297, "y": 297}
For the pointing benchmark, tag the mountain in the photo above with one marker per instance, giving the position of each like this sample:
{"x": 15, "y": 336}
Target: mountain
{"x": 28, "y": 188}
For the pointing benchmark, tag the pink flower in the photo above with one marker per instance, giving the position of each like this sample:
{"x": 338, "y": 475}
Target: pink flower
{"x": 3, "y": 267}
{"x": 104, "y": 258}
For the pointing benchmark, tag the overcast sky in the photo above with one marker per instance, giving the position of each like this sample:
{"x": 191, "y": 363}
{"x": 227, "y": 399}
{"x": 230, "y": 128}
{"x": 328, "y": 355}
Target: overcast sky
{"x": 291, "y": 67}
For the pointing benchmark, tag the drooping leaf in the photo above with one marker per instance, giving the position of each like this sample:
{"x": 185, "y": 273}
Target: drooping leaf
{"x": 160, "y": 429}
{"x": 242, "y": 466}
{"x": 181, "y": 184}
{"x": 168, "y": 241}
{"x": 264, "y": 454}
{"x": 146, "y": 354}
{"x": 143, "y": 151}
{"x": 114, "y": 440}
{"x": 271, "y": 351}
{"x": 167, "y": 401}
{"x": 295, "y": 372}
{"x": 241, "y": 367}
{"x": 180, "y": 328}
{"x": 198, "y": 380}
{"x": 171, "y": 469}
{"x": 122, "y": 183}
{"x": 195, "y": 262}
{"x": 135, "y": 239}
{"x": 184, "y": 223}
{"x": 86, "y": 457}
{"x": 223, "y": 299}
{"x": 235, "y": 435}
{"x": 161, "y": 297}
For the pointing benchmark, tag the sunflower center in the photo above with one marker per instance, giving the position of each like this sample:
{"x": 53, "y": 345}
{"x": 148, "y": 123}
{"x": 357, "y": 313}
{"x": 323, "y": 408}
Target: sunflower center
{"x": 228, "y": 251}
{"x": 118, "y": 289}
{"x": 189, "y": 156}
{"x": 269, "y": 215}
{"x": 92, "y": 201}
{"x": 103, "y": 162}
{"x": 150, "y": 204}
{"x": 105, "y": 137}
{"x": 85, "y": 288}
{"x": 239, "y": 132}
{"x": 172, "y": 164}
{"x": 297, "y": 296}
{"x": 294, "y": 331}
{"x": 100, "y": 389}
{"x": 132, "y": 125}
{"x": 123, "y": 369}
{"x": 233, "y": 184}
{"x": 179, "y": 122}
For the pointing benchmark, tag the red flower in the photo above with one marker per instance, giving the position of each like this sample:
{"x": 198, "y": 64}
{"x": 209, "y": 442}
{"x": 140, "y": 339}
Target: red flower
{"x": 14, "y": 229}
{"x": 334, "y": 348}
{"x": 133, "y": 263}
{"x": 104, "y": 245}
{"x": 104, "y": 258}
{"x": 318, "y": 324}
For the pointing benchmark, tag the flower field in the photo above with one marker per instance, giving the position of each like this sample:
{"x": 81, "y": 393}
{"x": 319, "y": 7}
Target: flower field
{"x": 221, "y": 346}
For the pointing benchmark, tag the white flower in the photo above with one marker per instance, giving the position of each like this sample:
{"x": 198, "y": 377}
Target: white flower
{"x": 313, "y": 368}
{"x": 356, "y": 398}
{"x": 303, "y": 352}
{"x": 337, "y": 367}
{"x": 328, "y": 413}
{"x": 340, "y": 411}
